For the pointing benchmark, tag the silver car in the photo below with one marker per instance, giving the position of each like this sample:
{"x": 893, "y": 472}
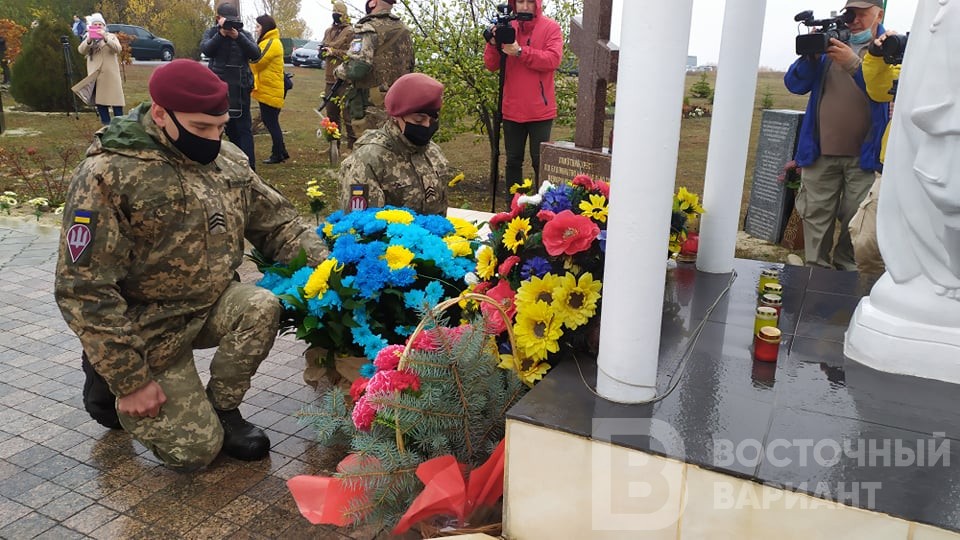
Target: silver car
{"x": 307, "y": 55}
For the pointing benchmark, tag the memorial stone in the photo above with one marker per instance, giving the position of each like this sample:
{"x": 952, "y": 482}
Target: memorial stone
{"x": 770, "y": 206}
{"x": 561, "y": 161}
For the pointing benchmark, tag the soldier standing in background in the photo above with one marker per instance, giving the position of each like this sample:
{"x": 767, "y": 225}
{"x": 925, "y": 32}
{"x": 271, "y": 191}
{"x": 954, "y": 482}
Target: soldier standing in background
{"x": 381, "y": 52}
{"x": 398, "y": 164}
{"x": 153, "y": 233}
{"x": 336, "y": 41}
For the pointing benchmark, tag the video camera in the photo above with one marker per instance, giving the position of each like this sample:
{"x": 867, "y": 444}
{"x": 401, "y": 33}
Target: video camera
{"x": 232, "y": 24}
{"x": 817, "y": 41}
{"x": 505, "y": 33}
{"x": 64, "y": 40}
{"x": 894, "y": 47}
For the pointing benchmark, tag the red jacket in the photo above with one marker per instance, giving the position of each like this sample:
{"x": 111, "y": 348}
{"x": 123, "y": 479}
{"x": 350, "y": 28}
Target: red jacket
{"x": 528, "y": 91}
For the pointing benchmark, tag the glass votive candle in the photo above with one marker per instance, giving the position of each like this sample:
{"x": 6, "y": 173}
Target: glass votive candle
{"x": 768, "y": 275}
{"x": 766, "y": 344}
{"x": 766, "y": 316}
{"x": 774, "y": 301}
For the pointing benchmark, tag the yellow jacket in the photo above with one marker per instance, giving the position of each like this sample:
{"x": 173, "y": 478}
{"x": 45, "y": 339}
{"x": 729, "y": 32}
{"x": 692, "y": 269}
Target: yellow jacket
{"x": 879, "y": 77}
{"x": 268, "y": 71}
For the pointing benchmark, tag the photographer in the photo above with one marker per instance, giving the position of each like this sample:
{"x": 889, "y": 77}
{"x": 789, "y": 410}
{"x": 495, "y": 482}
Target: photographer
{"x": 102, "y": 49}
{"x": 529, "y": 101}
{"x": 839, "y": 146}
{"x": 231, "y": 49}
{"x": 880, "y": 73}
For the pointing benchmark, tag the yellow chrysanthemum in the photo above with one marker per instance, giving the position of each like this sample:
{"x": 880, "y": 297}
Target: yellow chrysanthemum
{"x": 537, "y": 330}
{"x": 318, "y": 283}
{"x": 328, "y": 230}
{"x": 459, "y": 246}
{"x": 398, "y": 257}
{"x": 577, "y": 299}
{"x": 687, "y": 202}
{"x": 314, "y": 192}
{"x": 455, "y": 180}
{"x": 395, "y": 216}
{"x": 521, "y": 188}
{"x": 464, "y": 228}
{"x": 516, "y": 233}
{"x": 595, "y": 208}
{"x": 486, "y": 262}
{"x": 537, "y": 290}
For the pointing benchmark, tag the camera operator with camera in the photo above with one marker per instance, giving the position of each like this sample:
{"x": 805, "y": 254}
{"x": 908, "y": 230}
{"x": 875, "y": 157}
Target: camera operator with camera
{"x": 231, "y": 49}
{"x": 839, "y": 146}
{"x": 533, "y": 46}
{"x": 881, "y": 71}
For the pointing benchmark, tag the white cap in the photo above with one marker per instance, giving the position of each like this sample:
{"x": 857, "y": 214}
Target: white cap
{"x": 96, "y": 18}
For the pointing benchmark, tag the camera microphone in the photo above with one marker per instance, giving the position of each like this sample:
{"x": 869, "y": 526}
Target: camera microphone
{"x": 803, "y": 16}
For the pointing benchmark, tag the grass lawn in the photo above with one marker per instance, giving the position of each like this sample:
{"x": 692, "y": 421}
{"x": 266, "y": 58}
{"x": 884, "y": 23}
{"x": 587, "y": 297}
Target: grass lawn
{"x": 56, "y": 134}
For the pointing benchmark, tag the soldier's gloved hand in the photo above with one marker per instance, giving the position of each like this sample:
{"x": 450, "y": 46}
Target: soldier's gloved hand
{"x": 143, "y": 402}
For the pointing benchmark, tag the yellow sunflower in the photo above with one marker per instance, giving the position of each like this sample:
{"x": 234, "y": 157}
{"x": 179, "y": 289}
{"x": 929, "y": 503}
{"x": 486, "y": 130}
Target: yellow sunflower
{"x": 687, "y": 202}
{"x": 516, "y": 233}
{"x": 459, "y": 246}
{"x": 455, "y": 180}
{"x": 537, "y": 290}
{"x": 398, "y": 257}
{"x": 521, "y": 188}
{"x": 577, "y": 299}
{"x": 595, "y": 208}
{"x": 535, "y": 373}
{"x": 464, "y": 228}
{"x": 395, "y": 216}
{"x": 318, "y": 283}
{"x": 537, "y": 330}
{"x": 486, "y": 262}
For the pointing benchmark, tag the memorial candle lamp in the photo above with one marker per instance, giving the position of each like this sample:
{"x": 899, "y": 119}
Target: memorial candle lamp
{"x": 774, "y": 301}
{"x": 766, "y": 344}
{"x": 772, "y": 288}
{"x": 766, "y": 316}
{"x": 768, "y": 275}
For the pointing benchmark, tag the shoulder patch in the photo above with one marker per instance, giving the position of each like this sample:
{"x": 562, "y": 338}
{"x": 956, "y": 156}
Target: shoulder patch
{"x": 80, "y": 235}
{"x": 356, "y": 45}
{"x": 358, "y": 197}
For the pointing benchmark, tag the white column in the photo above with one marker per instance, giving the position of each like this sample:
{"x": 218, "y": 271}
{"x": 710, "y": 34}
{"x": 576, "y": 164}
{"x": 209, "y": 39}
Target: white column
{"x": 730, "y": 133}
{"x": 653, "y": 56}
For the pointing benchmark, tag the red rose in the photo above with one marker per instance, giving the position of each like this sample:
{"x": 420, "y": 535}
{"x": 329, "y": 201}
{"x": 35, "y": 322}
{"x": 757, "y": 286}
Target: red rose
{"x": 503, "y": 294}
{"x": 569, "y": 234}
{"x": 583, "y": 181}
{"x": 603, "y": 188}
{"x": 358, "y": 387}
{"x": 508, "y": 265}
{"x": 545, "y": 215}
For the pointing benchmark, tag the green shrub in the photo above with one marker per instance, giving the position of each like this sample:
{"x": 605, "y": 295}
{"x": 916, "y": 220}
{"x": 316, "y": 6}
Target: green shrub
{"x": 39, "y": 76}
{"x": 701, "y": 89}
{"x": 766, "y": 101}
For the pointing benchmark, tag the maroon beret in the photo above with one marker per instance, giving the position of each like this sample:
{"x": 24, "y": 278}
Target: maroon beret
{"x": 414, "y": 93}
{"x": 188, "y": 86}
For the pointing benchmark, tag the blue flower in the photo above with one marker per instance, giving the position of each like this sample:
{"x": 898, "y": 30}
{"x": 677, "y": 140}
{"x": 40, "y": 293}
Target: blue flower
{"x": 347, "y": 250}
{"x": 557, "y": 199}
{"x": 437, "y": 225}
{"x": 603, "y": 240}
{"x": 367, "y": 371}
{"x": 536, "y": 266}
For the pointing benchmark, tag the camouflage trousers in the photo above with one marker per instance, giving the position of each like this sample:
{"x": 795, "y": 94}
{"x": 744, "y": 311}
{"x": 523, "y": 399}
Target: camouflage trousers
{"x": 187, "y": 433}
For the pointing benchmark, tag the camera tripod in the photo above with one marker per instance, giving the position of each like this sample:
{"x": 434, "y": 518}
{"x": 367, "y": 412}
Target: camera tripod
{"x": 68, "y": 73}
{"x": 497, "y": 126}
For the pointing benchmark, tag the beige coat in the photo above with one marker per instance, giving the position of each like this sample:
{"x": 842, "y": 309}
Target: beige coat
{"x": 104, "y": 55}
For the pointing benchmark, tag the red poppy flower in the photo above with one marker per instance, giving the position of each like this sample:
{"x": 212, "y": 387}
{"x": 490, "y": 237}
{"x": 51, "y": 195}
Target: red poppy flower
{"x": 569, "y": 234}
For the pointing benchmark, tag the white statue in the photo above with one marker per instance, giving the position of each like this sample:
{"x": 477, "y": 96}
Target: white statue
{"x": 910, "y": 323}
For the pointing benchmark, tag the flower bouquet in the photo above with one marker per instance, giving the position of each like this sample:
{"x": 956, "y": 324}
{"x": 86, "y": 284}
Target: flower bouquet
{"x": 425, "y": 431}
{"x": 544, "y": 263}
{"x": 385, "y": 266}
{"x": 329, "y": 129}
{"x": 686, "y": 208}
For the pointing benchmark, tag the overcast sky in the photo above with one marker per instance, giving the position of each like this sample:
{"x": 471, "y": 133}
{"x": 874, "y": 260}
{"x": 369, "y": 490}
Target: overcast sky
{"x": 778, "y": 32}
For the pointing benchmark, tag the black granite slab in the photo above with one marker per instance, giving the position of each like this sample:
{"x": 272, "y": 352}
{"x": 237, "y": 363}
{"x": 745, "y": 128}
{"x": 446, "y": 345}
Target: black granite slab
{"x": 785, "y": 418}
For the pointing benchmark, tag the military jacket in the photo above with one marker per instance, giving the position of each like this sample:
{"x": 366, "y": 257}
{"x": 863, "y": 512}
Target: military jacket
{"x": 386, "y": 169}
{"x": 151, "y": 239}
{"x": 381, "y": 52}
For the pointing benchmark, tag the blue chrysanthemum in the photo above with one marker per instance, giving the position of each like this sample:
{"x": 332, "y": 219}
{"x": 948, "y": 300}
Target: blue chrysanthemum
{"x": 367, "y": 371}
{"x": 557, "y": 199}
{"x": 536, "y": 266}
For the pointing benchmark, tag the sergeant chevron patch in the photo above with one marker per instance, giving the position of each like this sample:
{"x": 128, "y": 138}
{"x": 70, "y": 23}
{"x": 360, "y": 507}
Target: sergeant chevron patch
{"x": 217, "y": 223}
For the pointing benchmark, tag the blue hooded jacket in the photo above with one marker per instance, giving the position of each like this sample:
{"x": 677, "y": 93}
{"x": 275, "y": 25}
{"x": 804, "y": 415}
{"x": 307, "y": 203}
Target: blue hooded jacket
{"x": 806, "y": 76}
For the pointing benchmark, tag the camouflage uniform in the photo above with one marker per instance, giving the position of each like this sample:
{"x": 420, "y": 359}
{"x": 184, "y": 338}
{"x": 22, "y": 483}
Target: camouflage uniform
{"x": 381, "y": 51}
{"x": 338, "y": 38}
{"x": 150, "y": 246}
{"x": 386, "y": 169}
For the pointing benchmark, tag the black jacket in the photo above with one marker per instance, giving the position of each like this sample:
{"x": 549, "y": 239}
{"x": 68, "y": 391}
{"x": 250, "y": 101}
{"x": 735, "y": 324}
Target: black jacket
{"x": 230, "y": 59}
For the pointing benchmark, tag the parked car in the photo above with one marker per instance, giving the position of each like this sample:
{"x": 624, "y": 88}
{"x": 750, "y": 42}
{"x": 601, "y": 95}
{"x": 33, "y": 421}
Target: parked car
{"x": 145, "y": 45}
{"x": 289, "y": 44}
{"x": 307, "y": 56}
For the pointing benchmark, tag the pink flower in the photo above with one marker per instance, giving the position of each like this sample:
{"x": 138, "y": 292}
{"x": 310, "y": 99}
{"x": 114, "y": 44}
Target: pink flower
{"x": 569, "y": 234}
{"x": 386, "y": 382}
{"x": 545, "y": 215}
{"x": 603, "y": 188}
{"x": 503, "y": 294}
{"x": 358, "y": 387}
{"x": 425, "y": 341}
{"x": 508, "y": 265}
{"x": 388, "y": 357}
{"x": 364, "y": 413}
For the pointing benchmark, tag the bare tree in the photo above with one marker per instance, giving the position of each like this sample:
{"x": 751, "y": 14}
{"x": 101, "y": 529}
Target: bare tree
{"x": 287, "y": 15}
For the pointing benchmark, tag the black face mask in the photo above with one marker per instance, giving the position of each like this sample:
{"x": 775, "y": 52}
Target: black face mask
{"x": 369, "y": 8}
{"x": 420, "y": 135}
{"x": 336, "y": 18}
{"x": 196, "y": 148}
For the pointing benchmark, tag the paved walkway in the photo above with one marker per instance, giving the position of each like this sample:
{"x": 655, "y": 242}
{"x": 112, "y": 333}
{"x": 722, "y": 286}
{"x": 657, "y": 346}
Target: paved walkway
{"x": 64, "y": 476}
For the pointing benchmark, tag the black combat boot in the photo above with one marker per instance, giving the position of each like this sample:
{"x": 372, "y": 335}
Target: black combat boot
{"x": 241, "y": 439}
{"x": 99, "y": 402}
